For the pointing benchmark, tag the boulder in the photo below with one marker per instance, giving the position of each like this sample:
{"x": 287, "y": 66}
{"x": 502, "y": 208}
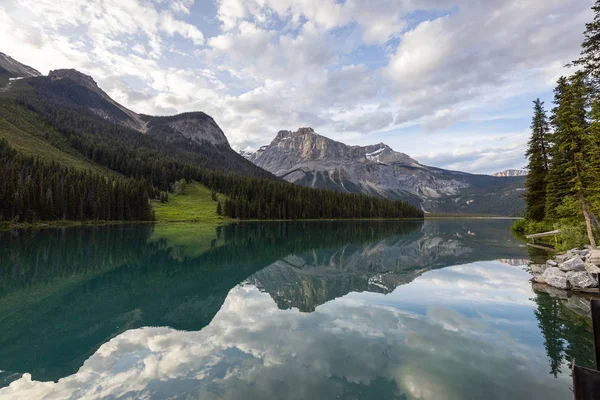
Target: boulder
{"x": 539, "y": 279}
{"x": 594, "y": 257}
{"x": 581, "y": 279}
{"x": 537, "y": 269}
{"x": 559, "y": 258}
{"x": 572, "y": 264}
{"x": 556, "y": 278}
{"x": 592, "y": 268}
{"x": 551, "y": 263}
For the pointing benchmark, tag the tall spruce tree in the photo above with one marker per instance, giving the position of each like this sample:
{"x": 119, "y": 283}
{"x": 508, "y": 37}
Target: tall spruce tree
{"x": 571, "y": 177}
{"x": 557, "y": 187}
{"x": 537, "y": 153}
{"x": 589, "y": 59}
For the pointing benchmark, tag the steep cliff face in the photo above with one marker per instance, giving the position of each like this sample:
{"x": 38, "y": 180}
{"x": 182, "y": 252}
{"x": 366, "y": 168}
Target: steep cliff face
{"x": 195, "y": 126}
{"x": 309, "y": 159}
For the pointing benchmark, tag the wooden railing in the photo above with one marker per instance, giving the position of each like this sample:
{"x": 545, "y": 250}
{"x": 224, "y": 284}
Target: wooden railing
{"x": 543, "y": 234}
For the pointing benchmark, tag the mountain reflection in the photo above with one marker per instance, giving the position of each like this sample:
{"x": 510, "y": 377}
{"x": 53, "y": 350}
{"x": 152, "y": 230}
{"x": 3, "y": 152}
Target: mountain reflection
{"x": 66, "y": 292}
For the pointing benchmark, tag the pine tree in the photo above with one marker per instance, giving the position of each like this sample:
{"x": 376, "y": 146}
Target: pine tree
{"x": 537, "y": 154}
{"x": 589, "y": 59}
{"x": 570, "y": 171}
{"x": 557, "y": 180}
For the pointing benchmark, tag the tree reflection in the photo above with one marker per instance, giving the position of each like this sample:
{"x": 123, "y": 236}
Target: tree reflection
{"x": 568, "y": 334}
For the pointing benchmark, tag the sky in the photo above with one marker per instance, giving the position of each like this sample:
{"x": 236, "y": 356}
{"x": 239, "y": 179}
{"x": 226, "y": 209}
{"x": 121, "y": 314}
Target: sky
{"x": 449, "y": 82}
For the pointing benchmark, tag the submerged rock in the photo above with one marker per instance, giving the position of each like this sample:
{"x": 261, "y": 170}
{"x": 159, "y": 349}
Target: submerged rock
{"x": 581, "y": 279}
{"x": 573, "y": 264}
{"x": 556, "y": 278}
{"x": 579, "y": 305}
{"x": 552, "y": 291}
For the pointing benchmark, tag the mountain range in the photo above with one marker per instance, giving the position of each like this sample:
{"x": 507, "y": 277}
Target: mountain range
{"x": 307, "y": 158}
{"x": 65, "y": 116}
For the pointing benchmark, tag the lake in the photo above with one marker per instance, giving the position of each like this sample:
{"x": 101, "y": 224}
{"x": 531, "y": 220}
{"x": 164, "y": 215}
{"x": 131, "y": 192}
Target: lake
{"x": 441, "y": 309}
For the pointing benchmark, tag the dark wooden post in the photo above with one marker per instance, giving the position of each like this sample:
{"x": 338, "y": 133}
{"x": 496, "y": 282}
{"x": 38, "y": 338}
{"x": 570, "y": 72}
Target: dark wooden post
{"x": 596, "y": 327}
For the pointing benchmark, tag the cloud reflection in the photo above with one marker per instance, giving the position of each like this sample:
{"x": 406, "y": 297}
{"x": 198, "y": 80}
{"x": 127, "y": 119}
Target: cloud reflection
{"x": 358, "y": 346}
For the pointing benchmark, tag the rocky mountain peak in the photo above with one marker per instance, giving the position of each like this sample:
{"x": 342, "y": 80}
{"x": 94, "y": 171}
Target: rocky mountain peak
{"x": 77, "y": 77}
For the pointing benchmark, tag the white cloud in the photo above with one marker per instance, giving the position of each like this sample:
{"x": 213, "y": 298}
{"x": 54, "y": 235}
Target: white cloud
{"x": 356, "y": 70}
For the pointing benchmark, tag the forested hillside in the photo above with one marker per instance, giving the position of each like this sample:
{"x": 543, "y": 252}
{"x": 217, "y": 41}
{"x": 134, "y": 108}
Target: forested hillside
{"x": 106, "y": 148}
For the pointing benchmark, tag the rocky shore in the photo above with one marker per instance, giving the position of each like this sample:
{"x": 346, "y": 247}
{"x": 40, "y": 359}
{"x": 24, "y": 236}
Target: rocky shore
{"x": 575, "y": 270}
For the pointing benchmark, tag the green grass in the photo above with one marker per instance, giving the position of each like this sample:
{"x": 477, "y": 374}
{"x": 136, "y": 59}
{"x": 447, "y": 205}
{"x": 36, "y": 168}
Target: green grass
{"x": 196, "y": 205}
{"x": 28, "y": 135}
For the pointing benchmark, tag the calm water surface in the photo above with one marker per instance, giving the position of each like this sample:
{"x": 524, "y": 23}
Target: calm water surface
{"x": 313, "y": 310}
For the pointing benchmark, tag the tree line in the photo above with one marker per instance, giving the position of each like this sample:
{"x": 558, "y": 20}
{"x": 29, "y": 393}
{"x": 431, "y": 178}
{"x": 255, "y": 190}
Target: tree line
{"x": 563, "y": 184}
{"x": 31, "y": 190}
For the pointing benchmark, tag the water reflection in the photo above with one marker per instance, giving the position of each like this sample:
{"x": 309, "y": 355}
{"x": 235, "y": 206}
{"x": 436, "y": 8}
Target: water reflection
{"x": 282, "y": 310}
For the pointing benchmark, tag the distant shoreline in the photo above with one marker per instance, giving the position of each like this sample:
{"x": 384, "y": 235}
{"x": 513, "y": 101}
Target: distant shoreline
{"x": 7, "y": 226}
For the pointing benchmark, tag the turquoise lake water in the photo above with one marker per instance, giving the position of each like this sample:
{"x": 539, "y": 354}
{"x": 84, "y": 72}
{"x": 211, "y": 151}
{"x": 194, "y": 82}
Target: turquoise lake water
{"x": 283, "y": 310}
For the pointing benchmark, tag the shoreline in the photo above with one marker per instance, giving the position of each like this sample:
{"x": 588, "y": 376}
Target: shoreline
{"x": 7, "y": 226}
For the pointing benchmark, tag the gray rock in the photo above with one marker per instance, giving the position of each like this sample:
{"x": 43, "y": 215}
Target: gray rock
{"x": 556, "y": 278}
{"x": 551, "y": 263}
{"x": 573, "y": 264}
{"x": 539, "y": 279}
{"x": 592, "y": 268}
{"x": 559, "y": 258}
{"x": 581, "y": 279}
{"x": 594, "y": 257}
{"x": 537, "y": 269}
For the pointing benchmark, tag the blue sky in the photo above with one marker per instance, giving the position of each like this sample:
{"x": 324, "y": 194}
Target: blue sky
{"x": 449, "y": 82}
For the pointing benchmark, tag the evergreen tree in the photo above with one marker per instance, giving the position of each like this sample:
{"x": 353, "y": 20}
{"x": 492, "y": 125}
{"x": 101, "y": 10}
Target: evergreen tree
{"x": 572, "y": 177}
{"x": 537, "y": 154}
{"x": 589, "y": 59}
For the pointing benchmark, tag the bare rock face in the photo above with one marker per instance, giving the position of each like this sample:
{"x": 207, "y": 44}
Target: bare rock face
{"x": 511, "y": 172}
{"x": 573, "y": 264}
{"x": 78, "y": 77}
{"x": 15, "y": 68}
{"x": 581, "y": 279}
{"x": 307, "y": 158}
{"x": 556, "y": 278}
{"x": 195, "y": 126}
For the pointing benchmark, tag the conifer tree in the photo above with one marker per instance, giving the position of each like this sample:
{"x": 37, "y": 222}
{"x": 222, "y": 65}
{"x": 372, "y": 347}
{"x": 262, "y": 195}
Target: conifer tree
{"x": 571, "y": 172}
{"x": 589, "y": 59}
{"x": 537, "y": 154}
